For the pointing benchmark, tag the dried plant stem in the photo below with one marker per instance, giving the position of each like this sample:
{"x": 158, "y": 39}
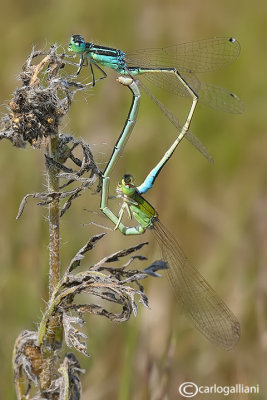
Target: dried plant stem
{"x": 54, "y": 216}
{"x": 54, "y": 329}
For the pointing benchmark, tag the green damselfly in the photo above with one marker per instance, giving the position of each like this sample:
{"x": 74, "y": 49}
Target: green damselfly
{"x": 201, "y": 304}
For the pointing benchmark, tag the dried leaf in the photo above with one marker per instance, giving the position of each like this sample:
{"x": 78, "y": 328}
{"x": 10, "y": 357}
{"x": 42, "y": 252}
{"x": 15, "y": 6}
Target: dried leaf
{"x": 75, "y": 262}
{"x": 156, "y": 266}
{"x": 119, "y": 254}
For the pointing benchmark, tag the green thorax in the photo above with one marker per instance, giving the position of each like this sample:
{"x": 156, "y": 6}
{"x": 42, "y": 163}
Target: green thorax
{"x": 142, "y": 211}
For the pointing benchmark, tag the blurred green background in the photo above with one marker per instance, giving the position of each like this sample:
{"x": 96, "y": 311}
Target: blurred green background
{"x": 217, "y": 212}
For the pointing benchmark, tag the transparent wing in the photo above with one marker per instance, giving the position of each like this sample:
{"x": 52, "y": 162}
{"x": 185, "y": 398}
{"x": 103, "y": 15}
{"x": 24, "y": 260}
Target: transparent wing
{"x": 201, "y": 304}
{"x": 210, "y": 95}
{"x": 170, "y": 82}
{"x": 219, "y": 98}
{"x": 200, "y": 56}
{"x": 189, "y": 135}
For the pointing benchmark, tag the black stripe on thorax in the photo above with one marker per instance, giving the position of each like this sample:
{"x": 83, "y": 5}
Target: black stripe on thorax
{"x": 106, "y": 51}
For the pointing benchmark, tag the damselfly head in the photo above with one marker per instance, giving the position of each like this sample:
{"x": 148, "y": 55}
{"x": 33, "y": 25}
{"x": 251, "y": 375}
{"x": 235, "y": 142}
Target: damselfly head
{"x": 128, "y": 180}
{"x": 77, "y": 44}
{"x": 127, "y": 185}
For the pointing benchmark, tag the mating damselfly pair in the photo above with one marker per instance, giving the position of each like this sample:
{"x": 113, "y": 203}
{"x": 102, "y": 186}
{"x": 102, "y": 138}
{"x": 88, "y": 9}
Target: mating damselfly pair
{"x": 174, "y": 69}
